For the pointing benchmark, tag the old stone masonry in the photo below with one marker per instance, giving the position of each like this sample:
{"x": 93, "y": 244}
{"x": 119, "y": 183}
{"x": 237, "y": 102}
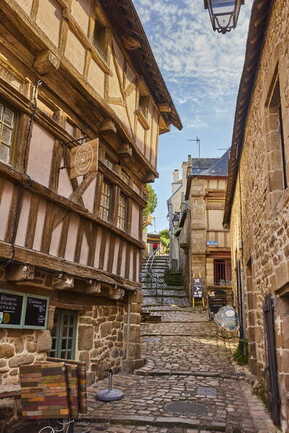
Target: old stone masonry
{"x": 188, "y": 385}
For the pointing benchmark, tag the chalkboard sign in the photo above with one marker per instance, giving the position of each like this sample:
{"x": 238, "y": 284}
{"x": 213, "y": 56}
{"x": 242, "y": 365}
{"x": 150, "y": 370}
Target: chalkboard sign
{"x": 10, "y": 309}
{"x": 197, "y": 288}
{"x": 36, "y": 312}
{"x": 22, "y": 310}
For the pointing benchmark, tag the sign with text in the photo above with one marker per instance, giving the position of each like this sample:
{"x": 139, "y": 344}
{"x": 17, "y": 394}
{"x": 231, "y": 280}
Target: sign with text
{"x": 84, "y": 159}
{"x": 197, "y": 288}
{"x": 22, "y": 310}
{"x": 36, "y": 312}
{"x": 10, "y": 309}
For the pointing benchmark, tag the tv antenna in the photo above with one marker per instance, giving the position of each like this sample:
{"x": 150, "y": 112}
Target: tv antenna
{"x": 198, "y": 141}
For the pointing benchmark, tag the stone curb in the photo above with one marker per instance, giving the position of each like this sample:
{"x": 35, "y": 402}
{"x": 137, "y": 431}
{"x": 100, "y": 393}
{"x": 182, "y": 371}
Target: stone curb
{"x": 147, "y": 372}
{"x": 159, "y": 421}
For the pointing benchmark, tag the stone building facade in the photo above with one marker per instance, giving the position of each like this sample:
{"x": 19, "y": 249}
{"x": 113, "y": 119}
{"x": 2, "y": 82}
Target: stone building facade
{"x": 82, "y": 103}
{"x": 257, "y": 203}
{"x": 204, "y": 242}
{"x": 177, "y": 204}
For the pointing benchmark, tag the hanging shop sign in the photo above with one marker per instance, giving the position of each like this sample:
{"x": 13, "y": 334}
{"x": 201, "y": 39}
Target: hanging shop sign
{"x": 19, "y": 310}
{"x": 84, "y": 159}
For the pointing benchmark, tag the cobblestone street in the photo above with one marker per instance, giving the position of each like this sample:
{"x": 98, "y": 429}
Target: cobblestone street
{"x": 188, "y": 385}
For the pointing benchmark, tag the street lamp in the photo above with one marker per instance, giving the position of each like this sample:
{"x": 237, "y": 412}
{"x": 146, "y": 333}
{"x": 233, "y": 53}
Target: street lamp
{"x": 223, "y": 14}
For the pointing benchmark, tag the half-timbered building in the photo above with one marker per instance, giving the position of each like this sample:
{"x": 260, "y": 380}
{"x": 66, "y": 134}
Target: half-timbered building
{"x": 82, "y": 103}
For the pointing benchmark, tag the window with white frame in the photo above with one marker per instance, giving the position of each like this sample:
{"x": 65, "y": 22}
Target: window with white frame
{"x": 7, "y": 130}
{"x": 106, "y": 201}
{"x": 122, "y": 217}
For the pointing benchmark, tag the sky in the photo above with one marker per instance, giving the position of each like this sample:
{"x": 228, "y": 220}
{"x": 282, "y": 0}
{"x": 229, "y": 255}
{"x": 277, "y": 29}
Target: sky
{"x": 202, "y": 70}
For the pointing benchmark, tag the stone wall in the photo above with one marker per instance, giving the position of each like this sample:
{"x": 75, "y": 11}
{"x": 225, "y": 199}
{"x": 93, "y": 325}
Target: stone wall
{"x": 108, "y": 336}
{"x": 260, "y": 214}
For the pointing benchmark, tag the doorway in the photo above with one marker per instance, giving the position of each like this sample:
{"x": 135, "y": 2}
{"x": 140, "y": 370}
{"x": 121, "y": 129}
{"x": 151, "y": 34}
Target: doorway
{"x": 273, "y": 395}
{"x": 64, "y": 334}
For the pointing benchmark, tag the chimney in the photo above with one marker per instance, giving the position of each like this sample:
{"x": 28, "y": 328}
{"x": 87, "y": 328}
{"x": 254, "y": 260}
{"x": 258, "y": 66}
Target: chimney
{"x": 175, "y": 180}
{"x": 176, "y": 175}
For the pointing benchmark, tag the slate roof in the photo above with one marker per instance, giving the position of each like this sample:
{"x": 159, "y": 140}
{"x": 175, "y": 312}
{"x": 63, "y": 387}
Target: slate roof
{"x": 220, "y": 168}
{"x": 201, "y": 164}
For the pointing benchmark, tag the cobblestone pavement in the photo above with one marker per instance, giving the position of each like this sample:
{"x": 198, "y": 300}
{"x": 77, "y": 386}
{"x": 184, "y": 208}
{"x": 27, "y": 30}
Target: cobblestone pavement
{"x": 188, "y": 385}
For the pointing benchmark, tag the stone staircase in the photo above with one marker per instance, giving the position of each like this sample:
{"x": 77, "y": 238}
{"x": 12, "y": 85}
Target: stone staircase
{"x": 155, "y": 291}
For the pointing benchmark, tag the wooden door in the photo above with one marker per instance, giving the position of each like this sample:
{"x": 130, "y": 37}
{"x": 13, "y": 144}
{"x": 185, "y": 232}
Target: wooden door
{"x": 273, "y": 396}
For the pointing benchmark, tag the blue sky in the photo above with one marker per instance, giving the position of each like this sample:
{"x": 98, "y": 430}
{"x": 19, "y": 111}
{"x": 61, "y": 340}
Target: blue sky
{"x": 202, "y": 70}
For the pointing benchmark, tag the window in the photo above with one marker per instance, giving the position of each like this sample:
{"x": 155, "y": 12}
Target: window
{"x": 122, "y": 217}
{"x": 143, "y": 104}
{"x": 106, "y": 201}
{"x": 64, "y": 334}
{"x": 108, "y": 162}
{"x": 7, "y": 129}
{"x": 222, "y": 272}
{"x": 100, "y": 37}
{"x": 276, "y": 133}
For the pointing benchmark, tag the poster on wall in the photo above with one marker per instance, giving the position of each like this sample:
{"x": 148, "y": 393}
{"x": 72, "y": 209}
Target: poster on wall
{"x": 22, "y": 310}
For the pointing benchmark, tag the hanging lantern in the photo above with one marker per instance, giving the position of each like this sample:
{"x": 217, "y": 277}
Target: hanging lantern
{"x": 223, "y": 14}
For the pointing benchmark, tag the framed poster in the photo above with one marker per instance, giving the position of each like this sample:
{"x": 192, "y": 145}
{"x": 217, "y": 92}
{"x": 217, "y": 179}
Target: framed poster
{"x": 23, "y": 310}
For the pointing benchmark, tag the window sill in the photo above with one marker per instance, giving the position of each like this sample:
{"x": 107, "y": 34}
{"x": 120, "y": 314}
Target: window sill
{"x": 142, "y": 119}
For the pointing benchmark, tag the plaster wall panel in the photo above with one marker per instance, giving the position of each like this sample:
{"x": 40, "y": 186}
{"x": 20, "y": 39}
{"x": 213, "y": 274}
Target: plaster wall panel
{"x": 81, "y": 10}
{"x": 64, "y": 186}
{"x": 120, "y": 111}
{"x": 75, "y": 52}
{"x": 135, "y": 221}
{"x": 137, "y": 266}
{"x": 115, "y": 258}
{"x": 98, "y": 234}
{"x": 140, "y": 137}
{"x": 5, "y": 204}
{"x": 40, "y": 155}
{"x": 39, "y": 225}
{"x": 106, "y": 254}
{"x": 131, "y": 265}
{"x": 122, "y": 270}
{"x": 71, "y": 238}
{"x": 84, "y": 251}
{"x": 55, "y": 239}
{"x": 88, "y": 196}
{"x": 23, "y": 220}
{"x": 26, "y": 5}
{"x": 49, "y": 19}
{"x": 96, "y": 78}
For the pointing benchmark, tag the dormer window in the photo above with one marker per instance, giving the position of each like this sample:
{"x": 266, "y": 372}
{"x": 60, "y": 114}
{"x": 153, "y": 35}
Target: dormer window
{"x": 100, "y": 37}
{"x": 143, "y": 104}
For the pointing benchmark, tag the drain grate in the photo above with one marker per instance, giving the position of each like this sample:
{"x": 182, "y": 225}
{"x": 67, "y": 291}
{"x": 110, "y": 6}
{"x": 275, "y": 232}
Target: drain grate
{"x": 187, "y": 407}
{"x": 206, "y": 391}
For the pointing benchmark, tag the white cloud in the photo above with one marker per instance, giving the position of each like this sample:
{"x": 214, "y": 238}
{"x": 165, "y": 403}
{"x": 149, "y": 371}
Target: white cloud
{"x": 200, "y": 66}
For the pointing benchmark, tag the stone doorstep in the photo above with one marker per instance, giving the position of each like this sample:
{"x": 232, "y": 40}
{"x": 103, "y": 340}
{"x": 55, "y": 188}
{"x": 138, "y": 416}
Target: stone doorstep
{"x": 159, "y": 421}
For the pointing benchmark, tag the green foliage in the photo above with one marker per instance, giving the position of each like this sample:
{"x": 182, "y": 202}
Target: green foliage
{"x": 152, "y": 201}
{"x": 165, "y": 240}
{"x": 241, "y": 354}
